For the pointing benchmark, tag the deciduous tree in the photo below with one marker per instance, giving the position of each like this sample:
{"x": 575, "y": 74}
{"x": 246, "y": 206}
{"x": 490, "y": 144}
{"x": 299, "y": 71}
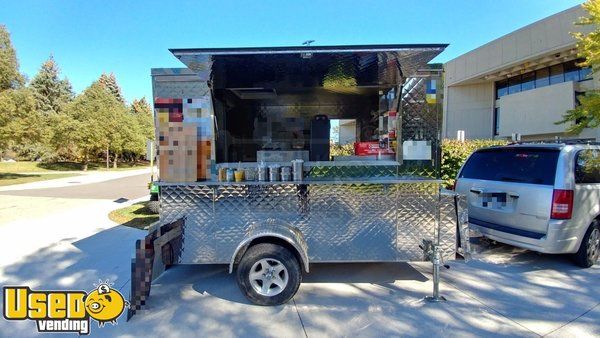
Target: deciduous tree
{"x": 91, "y": 124}
{"x": 587, "y": 114}
{"x": 19, "y": 121}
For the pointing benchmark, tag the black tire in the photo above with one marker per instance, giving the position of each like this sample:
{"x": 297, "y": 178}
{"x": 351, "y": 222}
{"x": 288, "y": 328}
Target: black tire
{"x": 154, "y": 207}
{"x": 276, "y": 254}
{"x": 589, "y": 250}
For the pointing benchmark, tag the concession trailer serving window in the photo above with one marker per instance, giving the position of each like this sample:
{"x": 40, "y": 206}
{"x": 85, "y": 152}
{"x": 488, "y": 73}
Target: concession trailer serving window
{"x": 260, "y": 104}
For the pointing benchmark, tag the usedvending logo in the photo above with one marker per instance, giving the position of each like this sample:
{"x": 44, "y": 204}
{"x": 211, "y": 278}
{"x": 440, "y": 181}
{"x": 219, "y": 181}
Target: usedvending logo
{"x": 64, "y": 311}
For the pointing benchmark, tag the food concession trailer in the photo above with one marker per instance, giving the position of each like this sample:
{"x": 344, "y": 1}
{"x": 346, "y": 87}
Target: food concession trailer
{"x": 248, "y": 177}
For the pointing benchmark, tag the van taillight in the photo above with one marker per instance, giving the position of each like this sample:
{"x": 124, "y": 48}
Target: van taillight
{"x": 562, "y": 204}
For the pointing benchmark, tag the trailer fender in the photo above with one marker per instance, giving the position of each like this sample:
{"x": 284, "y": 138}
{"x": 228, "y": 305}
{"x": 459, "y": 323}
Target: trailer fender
{"x": 276, "y": 230}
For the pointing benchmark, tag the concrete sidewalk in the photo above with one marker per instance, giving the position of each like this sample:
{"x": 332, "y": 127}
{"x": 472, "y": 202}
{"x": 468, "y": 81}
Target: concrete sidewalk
{"x": 506, "y": 292}
{"x": 517, "y": 293}
{"x": 82, "y": 178}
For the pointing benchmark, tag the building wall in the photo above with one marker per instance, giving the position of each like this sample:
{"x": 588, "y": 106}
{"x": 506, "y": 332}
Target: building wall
{"x": 535, "y": 111}
{"x": 469, "y": 108}
{"x": 469, "y": 87}
{"x": 530, "y": 42}
{"x": 347, "y": 132}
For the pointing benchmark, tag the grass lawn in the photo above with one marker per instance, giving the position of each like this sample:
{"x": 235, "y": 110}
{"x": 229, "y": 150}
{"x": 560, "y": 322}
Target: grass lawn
{"x": 11, "y": 178}
{"x": 136, "y": 216}
{"x": 27, "y": 167}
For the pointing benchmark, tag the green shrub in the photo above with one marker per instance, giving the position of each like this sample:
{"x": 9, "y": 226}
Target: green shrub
{"x": 455, "y": 153}
{"x": 341, "y": 150}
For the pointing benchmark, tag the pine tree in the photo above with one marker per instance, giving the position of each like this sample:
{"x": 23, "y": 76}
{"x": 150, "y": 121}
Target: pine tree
{"x": 51, "y": 93}
{"x": 109, "y": 82}
{"x": 9, "y": 65}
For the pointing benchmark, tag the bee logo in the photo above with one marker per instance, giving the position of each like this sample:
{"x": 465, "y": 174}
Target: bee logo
{"x": 105, "y": 304}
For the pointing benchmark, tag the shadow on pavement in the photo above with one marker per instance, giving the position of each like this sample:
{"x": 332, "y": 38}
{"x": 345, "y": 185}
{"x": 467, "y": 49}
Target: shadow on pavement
{"x": 13, "y": 176}
{"x": 542, "y": 292}
{"x": 214, "y": 279}
{"x": 64, "y": 265}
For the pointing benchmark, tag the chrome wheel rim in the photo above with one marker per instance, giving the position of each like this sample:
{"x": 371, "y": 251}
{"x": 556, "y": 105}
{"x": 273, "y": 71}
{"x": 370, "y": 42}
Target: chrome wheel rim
{"x": 594, "y": 245}
{"x": 268, "y": 277}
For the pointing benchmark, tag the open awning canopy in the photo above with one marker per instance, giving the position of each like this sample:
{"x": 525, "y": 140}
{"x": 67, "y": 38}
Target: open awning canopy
{"x": 329, "y": 67}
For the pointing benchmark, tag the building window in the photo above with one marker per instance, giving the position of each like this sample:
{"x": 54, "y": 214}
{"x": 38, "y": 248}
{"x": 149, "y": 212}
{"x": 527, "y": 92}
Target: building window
{"x": 571, "y": 71}
{"x": 497, "y": 121}
{"x": 564, "y": 72}
{"x": 514, "y": 85}
{"x": 542, "y": 78}
{"x": 557, "y": 74}
{"x": 501, "y": 88}
{"x": 584, "y": 74}
{"x": 528, "y": 81}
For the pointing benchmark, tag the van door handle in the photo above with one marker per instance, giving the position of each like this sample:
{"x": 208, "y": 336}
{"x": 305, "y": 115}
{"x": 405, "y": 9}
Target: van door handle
{"x": 476, "y": 191}
{"x": 513, "y": 194}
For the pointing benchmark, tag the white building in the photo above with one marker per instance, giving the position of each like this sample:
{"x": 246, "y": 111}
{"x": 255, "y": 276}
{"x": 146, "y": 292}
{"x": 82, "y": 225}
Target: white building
{"x": 520, "y": 83}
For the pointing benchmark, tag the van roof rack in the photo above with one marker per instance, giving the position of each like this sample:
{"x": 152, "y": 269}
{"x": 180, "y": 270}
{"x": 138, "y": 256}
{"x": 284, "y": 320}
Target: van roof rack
{"x": 566, "y": 142}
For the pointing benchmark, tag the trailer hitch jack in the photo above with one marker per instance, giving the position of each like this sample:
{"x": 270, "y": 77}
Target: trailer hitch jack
{"x": 432, "y": 253}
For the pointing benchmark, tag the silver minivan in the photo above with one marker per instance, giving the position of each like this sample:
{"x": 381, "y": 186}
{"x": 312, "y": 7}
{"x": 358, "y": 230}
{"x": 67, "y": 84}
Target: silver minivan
{"x": 542, "y": 197}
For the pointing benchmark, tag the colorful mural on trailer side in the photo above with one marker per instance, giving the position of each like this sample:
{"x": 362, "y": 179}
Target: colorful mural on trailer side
{"x": 185, "y": 139}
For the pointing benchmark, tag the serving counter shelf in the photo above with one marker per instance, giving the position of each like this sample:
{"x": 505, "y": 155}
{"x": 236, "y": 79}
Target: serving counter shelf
{"x": 315, "y": 181}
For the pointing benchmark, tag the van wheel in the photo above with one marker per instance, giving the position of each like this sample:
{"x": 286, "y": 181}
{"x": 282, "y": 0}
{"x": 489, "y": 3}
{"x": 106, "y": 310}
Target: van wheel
{"x": 589, "y": 251}
{"x": 269, "y": 274}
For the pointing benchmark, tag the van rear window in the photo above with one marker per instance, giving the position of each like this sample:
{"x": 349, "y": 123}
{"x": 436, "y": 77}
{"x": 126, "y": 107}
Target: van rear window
{"x": 525, "y": 165}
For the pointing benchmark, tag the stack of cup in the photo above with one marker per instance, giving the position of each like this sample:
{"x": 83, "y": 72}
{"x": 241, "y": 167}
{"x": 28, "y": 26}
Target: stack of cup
{"x": 274, "y": 172}
{"x": 298, "y": 169}
{"x": 262, "y": 172}
{"x": 286, "y": 173}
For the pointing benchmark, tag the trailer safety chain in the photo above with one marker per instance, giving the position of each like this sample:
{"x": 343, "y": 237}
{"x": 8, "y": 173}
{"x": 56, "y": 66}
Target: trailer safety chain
{"x": 432, "y": 253}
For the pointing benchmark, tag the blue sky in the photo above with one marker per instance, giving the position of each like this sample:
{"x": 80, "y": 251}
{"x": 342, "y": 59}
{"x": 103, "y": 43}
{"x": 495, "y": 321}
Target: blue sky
{"x": 130, "y": 37}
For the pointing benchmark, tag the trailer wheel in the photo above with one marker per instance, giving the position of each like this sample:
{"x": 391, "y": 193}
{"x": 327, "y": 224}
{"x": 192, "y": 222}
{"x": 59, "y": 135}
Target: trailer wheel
{"x": 269, "y": 274}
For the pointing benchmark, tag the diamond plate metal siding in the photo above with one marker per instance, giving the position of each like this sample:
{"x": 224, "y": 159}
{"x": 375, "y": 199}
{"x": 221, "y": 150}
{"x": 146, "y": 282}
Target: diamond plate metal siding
{"x": 180, "y": 89}
{"x": 340, "y": 222}
{"x": 448, "y": 226}
{"x": 352, "y": 171}
{"x": 350, "y": 222}
{"x": 421, "y": 120}
{"x": 197, "y": 204}
{"x": 417, "y": 205}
